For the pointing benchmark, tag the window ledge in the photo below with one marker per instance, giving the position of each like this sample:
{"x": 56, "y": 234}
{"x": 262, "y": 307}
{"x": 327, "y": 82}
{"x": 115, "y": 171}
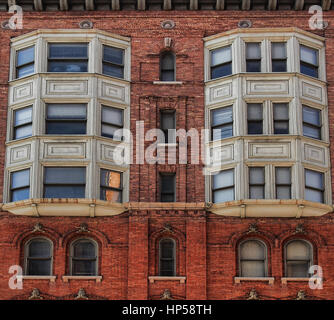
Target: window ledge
{"x": 26, "y": 277}
{"x": 286, "y": 280}
{"x": 167, "y": 145}
{"x": 152, "y": 279}
{"x": 96, "y": 278}
{"x": 270, "y": 280}
{"x": 168, "y": 82}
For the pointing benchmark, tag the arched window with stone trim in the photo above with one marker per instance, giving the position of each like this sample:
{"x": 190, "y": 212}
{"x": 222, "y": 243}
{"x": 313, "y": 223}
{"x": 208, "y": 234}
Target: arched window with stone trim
{"x": 167, "y": 260}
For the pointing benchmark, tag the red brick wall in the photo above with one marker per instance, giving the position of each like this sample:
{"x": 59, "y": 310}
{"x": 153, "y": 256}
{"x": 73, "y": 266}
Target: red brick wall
{"x": 127, "y": 243}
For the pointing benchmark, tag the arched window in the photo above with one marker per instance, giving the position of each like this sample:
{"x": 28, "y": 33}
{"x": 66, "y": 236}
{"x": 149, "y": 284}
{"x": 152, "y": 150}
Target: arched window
{"x": 167, "y": 257}
{"x": 83, "y": 258}
{"x": 253, "y": 259}
{"x": 298, "y": 258}
{"x": 38, "y": 257}
{"x": 167, "y": 66}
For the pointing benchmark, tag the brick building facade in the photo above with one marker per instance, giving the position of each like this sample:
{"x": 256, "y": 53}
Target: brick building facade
{"x": 207, "y": 236}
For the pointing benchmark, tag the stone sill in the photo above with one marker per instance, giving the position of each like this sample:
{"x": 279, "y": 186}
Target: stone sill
{"x": 270, "y": 280}
{"x": 96, "y": 278}
{"x": 169, "y": 145}
{"x": 286, "y": 280}
{"x": 269, "y": 208}
{"x": 168, "y": 82}
{"x": 165, "y": 205}
{"x": 50, "y": 278}
{"x": 152, "y": 279}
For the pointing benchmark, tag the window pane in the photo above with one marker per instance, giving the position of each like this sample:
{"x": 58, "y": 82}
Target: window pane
{"x": 83, "y": 268}
{"x": 281, "y": 127}
{"x": 283, "y": 175}
{"x": 66, "y": 111}
{"x": 25, "y": 56}
{"x": 39, "y": 267}
{"x": 278, "y": 50}
{"x": 252, "y": 250}
{"x": 252, "y": 269}
{"x": 114, "y": 55}
{"x": 254, "y": 111}
{"x": 297, "y": 269}
{"x": 20, "y": 194}
{"x": 223, "y": 195}
{"x": 167, "y": 249}
{"x": 110, "y": 195}
{"x": 298, "y": 250}
{"x": 221, "y": 55}
{"x": 253, "y": 50}
{"x": 68, "y": 50}
{"x": 253, "y": 66}
{"x": 67, "y": 66}
{"x": 278, "y": 66}
{"x": 222, "y": 115}
{"x": 113, "y": 70}
{"x": 167, "y": 183}
{"x": 25, "y": 70}
{"x": 167, "y": 75}
{"x": 312, "y": 132}
{"x": 223, "y": 179}
{"x": 256, "y": 192}
{"x": 311, "y": 115}
{"x": 65, "y": 175}
{"x": 23, "y": 132}
{"x": 84, "y": 249}
{"x": 283, "y": 192}
{"x": 314, "y": 195}
{"x": 167, "y": 62}
{"x": 39, "y": 249}
{"x": 64, "y": 191}
{"x": 20, "y": 179}
{"x": 166, "y": 268}
{"x": 309, "y": 55}
{"x": 222, "y": 132}
{"x": 109, "y": 131}
{"x": 256, "y": 175}
{"x": 281, "y": 111}
{"x": 309, "y": 70}
{"x": 112, "y": 115}
{"x": 167, "y": 120}
{"x": 221, "y": 71}
{"x": 111, "y": 179}
{"x": 167, "y": 198}
{"x": 22, "y": 116}
{"x": 66, "y": 127}
{"x": 314, "y": 179}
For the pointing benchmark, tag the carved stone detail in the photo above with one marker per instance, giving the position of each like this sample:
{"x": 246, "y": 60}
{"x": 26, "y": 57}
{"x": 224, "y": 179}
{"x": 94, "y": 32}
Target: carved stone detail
{"x": 81, "y": 294}
{"x": 35, "y": 294}
{"x": 300, "y": 229}
{"x": 166, "y": 295}
{"x": 38, "y": 227}
{"x": 83, "y": 228}
{"x": 253, "y": 295}
{"x": 253, "y": 228}
{"x": 301, "y": 295}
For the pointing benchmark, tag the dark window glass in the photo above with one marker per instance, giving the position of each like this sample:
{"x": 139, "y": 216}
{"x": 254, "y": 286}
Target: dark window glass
{"x": 112, "y": 120}
{"x": 281, "y": 118}
{"x": 223, "y": 186}
{"x": 64, "y": 182}
{"x": 298, "y": 259}
{"x": 84, "y": 258}
{"x": 222, "y": 123}
{"x": 253, "y": 259}
{"x": 278, "y": 57}
{"x": 22, "y": 123}
{"x": 167, "y": 187}
{"x": 25, "y": 62}
{"x": 255, "y": 118}
{"x": 167, "y": 257}
{"x": 283, "y": 182}
{"x": 68, "y": 57}
{"x": 314, "y": 186}
{"x": 221, "y": 62}
{"x": 20, "y": 185}
{"x": 309, "y": 61}
{"x": 66, "y": 119}
{"x": 253, "y": 57}
{"x": 167, "y": 66}
{"x": 113, "y": 62}
{"x": 256, "y": 183}
{"x": 167, "y": 125}
{"x": 111, "y": 185}
{"x": 311, "y": 122}
{"x": 39, "y": 256}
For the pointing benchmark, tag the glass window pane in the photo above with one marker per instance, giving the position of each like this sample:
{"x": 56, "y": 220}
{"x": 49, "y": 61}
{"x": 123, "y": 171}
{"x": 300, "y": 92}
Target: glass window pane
{"x": 109, "y": 131}
{"x": 222, "y": 115}
{"x": 256, "y": 175}
{"x": 87, "y": 268}
{"x": 64, "y": 191}
{"x": 111, "y": 179}
{"x": 167, "y": 61}
{"x": 311, "y": 132}
{"x": 283, "y": 192}
{"x": 222, "y": 132}
{"x": 253, "y": 50}
{"x": 110, "y": 195}
{"x": 221, "y": 71}
{"x": 22, "y": 116}
{"x": 255, "y": 127}
{"x": 167, "y": 183}
{"x": 167, "y": 120}
{"x": 167, "y": 198}
{"x": 68, "y": 50}
{"x": 281, "y": 111}
{"x": 252, "y": 269}
{"x": 281, "y": 127}
{"x": 23, "y": 132}
{"x": 39, "y": 267}
{"x": 113, "y": 70}
{"x": 66, "y": 127}
{"x": 256, "y": 192}
{"x": 278, "y": 66}
{"x": 223, "y": 179}
{"x": 298, "y": 250}
{"x": 67, "y": 66}
{"x": 66, "y": 111}
{"x": 309, "y": 70}
{"x": 221, "y": 55}
{"x": 20, "y": 178}
{"x": 278, "y": 50}
{"x": 253, "y": 66}
{"x": 314, "y": 195}
{"x": 65, "y": 175}
{"x": 25, "y": 70}
{"x": 297, "y": 269}
{"x": 167, "y": 75}
{"x": 84, "y": 249}
{"x": 283, "y": 175}
{"x": 167, "y": 248}
{"x": 25, "y": 56}
{"x": 223, "y": 195}
{"x": 254, "y": 111}
{"x": 311, "y": 115}
{"x": 252, "y": 250}
{"x": 112, "y": 115}
{"x": 309, "y": 55}
{"x": 39, "y": 249}
{"x": 314, "y": 179}
{"x": 20, "y": 194}
{"x": 114, "y": 55}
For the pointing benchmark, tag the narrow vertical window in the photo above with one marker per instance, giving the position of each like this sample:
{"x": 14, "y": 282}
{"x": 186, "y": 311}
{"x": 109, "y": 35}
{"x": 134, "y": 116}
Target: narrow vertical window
{"x": 112, "y": 119}
{"x": 20, "y": 185}
{"x": 113, "y": 62}
{"x": 312, "y": 122}
{"x": 222, "y": 123}
{"x": 221, "y": 62}
{"x": 25, "y": 62}
{"x": 314, "y": 186}
{"x": 83, "y": 258}
{"x": 64, "y": 182}
{"x": 255, "y": 118}
{"x": 256, "y": 183}
{"x": 309, "y": 61}
{"x": 223, "y": 186}
{"x": 168, "y": 125}
{"x": 278, "y": 57}
{"x": 68, "y": 57}
{"x": 38, "y": 257}
{"x": 283, "y": 182}
{"x": 167, "y": 66}
{"x": 298, "y": 259}
{"x": 167, "y": 187}
{"x": 252, "y": 259}
{"x": 66, "y": 118}
{"x": 167, "y": 257}
{"x": 253, "y": 57}
{"x": 111, "y": 185}
{"x": 281, "y": 118}
{"x": 22, "y": 123}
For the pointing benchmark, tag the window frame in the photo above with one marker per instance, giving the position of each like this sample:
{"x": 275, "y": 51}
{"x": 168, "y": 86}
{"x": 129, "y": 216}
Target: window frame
{"x": 113, "y": 63}
{"x": 283, "y": 184}
{"x": 263, "y": 185}
{"x": 14, "y": 127}
{"x": 322, "y": 190}
{"x": 262, "y": 120}
{"x": 223, "y": 188}
{"x": 121, "y": 190}
{"x": 302, "y": 62}
{"x": 162, "y": 70}
{"x": 19, "y": 188}
{"x": 221, "y": 64}
{"x": 279, "y": 59}
{"x": 213, "y": 127}
{"x": 161, "y": 193}
{"x": 312, "y": 125}
{"x": 172, "y": 259}
{"x": 273, "y": 104}
{"x": 253, "y": 60}
{"x": 16, "y": 77}
{"x": 112, "y": 124}
{"x": 165, "y": 131}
